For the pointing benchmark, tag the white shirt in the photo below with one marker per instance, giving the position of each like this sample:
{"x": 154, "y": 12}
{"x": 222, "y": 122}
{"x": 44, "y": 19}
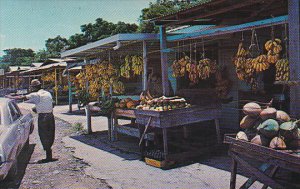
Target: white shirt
{"x": 42, "y": 100}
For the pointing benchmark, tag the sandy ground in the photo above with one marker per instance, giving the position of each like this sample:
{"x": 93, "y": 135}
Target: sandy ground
{"x": 66, "y": 172}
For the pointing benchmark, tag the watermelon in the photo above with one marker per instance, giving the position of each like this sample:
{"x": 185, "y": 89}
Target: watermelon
{"x": 289, "y": 130}
{"x": 268, "y": 128}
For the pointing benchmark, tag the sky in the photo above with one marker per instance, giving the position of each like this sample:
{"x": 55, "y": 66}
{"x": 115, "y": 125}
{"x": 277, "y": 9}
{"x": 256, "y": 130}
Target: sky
{"x": 28, "y": 23}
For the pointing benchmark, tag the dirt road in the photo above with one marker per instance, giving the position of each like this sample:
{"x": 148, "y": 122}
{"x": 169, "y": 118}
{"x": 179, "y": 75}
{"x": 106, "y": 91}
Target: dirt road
{"x": 66, "y": 172}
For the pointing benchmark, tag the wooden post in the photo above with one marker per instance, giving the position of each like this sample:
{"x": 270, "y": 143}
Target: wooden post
{"x": 88, "y": 119}
{"x": 55, "y": 87}
{"x": 294, "y": 55}
{"x": 145, "y": 63}
{"x": 70, "y": 92}
{"x": 164, "y": 60}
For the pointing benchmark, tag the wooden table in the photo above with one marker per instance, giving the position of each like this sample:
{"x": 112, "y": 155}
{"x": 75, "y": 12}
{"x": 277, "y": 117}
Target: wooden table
{"x": 172, "y": 118}
{"x": 272, "y": 159}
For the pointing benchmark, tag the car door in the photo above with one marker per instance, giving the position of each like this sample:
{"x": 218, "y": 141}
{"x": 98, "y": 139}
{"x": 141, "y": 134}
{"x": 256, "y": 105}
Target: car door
{"x": 25, "y": 123}
{"x": 13, "y": 137}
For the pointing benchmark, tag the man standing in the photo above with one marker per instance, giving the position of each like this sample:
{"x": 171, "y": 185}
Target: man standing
{"x": 44, "y": 108}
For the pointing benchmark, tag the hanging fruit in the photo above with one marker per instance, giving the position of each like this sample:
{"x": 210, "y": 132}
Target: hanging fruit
{"x": 274, "y": 48}
{"x": 137, "y": 65}
{"x": 260, "y": 63}
{"x": 206, "y": 67}
{"x": 282, "y": 70}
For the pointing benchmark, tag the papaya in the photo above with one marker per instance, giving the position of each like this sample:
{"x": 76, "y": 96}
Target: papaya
{"x": 268, "y": 113}
{"x": 242, "y": 136}
{"x": 289, "y": 130}
{"x": 282, "y": 116}
{"x": 277, "y": 143}
{"x": 268, "y": 128}
{"x": 252, "y": 109}
{"x": 130, "y": 104}
{"x": 260, "y": 140}
{"x": 248, "y": 122}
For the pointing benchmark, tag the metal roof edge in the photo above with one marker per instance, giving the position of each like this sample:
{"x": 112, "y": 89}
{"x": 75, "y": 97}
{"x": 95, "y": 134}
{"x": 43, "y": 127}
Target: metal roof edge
{"x": 230, "y": 29}
{"x": 111, "y": 39}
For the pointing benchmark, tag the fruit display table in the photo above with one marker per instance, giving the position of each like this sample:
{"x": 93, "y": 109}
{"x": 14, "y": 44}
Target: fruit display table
{"x": 169, "y": 119}
{"x": 243, "y": 153}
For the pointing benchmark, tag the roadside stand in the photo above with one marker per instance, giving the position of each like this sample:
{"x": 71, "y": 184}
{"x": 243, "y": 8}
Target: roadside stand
{"x": 236, "y": 56}
{"x": 262, "y": 54}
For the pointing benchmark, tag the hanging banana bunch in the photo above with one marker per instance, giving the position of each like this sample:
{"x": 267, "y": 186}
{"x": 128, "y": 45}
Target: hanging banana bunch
{"x": 137, "y": 65}
{"x": 274, "y": 48}
{"x": 260, "y": 63}
{"x": 126, "y": 67}
{"x": 206, "y": 67}
{"x": 282, "y": 70}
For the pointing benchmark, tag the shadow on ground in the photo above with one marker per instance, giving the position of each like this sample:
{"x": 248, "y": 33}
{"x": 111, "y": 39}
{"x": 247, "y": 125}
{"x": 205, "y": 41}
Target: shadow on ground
{"x": 23, "y": 161}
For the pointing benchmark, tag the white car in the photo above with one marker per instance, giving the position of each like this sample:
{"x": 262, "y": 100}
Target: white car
{"x": 15, "y": 129}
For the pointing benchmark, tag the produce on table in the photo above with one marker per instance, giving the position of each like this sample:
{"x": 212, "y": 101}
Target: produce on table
{"x": 282, "y": 116}
{"x": 252, "y": 109}
{"x": 242, "y": 136}
{"x": 289, "y": 130}
{"x": 282, "y": 70}
{"x": 268, "y": 113}
{"x": 261, "y": 140}
{"x": 277, "y": 143}
{"x": 269, "y": 128}
{"x": 276, "y": 130}
{"x": 163, "y": 103}
{"x": 248, "y": 122}
{"x": 127, "y": 103}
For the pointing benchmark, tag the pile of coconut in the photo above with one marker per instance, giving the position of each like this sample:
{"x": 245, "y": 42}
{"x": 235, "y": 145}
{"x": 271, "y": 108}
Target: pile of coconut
{"x": 269, "y": 127}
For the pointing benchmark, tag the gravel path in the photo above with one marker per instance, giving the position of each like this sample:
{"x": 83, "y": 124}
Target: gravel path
{"x": 66, "y": 172}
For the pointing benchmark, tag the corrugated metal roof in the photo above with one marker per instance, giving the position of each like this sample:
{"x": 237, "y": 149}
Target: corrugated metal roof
{"x": 230, "y": 29}
{"x": 108, "y": 43}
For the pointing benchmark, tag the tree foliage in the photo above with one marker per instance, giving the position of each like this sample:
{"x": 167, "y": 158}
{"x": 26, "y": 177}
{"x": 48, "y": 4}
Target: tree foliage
{"x": 18, "y": 56}
{"x": 55, "y": 45}
{"x": 161, "y": 8}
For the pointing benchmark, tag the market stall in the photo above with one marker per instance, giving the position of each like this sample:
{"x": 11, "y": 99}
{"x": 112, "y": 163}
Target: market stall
{"x": 263, "y": 56}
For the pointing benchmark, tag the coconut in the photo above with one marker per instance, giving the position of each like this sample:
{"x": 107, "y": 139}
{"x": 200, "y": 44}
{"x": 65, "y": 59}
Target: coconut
{"x": 252, "y": 109}
{"x": 260, "y": 140}
{"x": 282, "y": 116}
{"x": 289, "y": 130}
{"x": 248, "y": 122}
{"x": 277, "y": 143}
{"x": 242, "y": 136}
{"x": 268, "y": 113}
{"x": 269, "y": 128}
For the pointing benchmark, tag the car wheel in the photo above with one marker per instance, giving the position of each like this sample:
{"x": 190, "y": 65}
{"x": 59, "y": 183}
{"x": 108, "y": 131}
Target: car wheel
{"x": 12, "y": 173}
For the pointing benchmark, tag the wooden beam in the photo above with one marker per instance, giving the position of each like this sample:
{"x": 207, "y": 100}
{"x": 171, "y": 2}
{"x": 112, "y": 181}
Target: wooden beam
{"x": 216, "y": 12}
{"x": 164, "y": 60}
{"x": 294, "y": 55}
{"x": 145, "y": 64}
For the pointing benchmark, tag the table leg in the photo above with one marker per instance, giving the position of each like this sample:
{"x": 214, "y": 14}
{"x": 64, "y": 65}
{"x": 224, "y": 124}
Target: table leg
{"x": 217, "y": 123}
{"x": 165, "y": 141}
{"x": 233, "y": 174}
{"x": 272, "y": 174}
{"x": 185, "y": 132}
